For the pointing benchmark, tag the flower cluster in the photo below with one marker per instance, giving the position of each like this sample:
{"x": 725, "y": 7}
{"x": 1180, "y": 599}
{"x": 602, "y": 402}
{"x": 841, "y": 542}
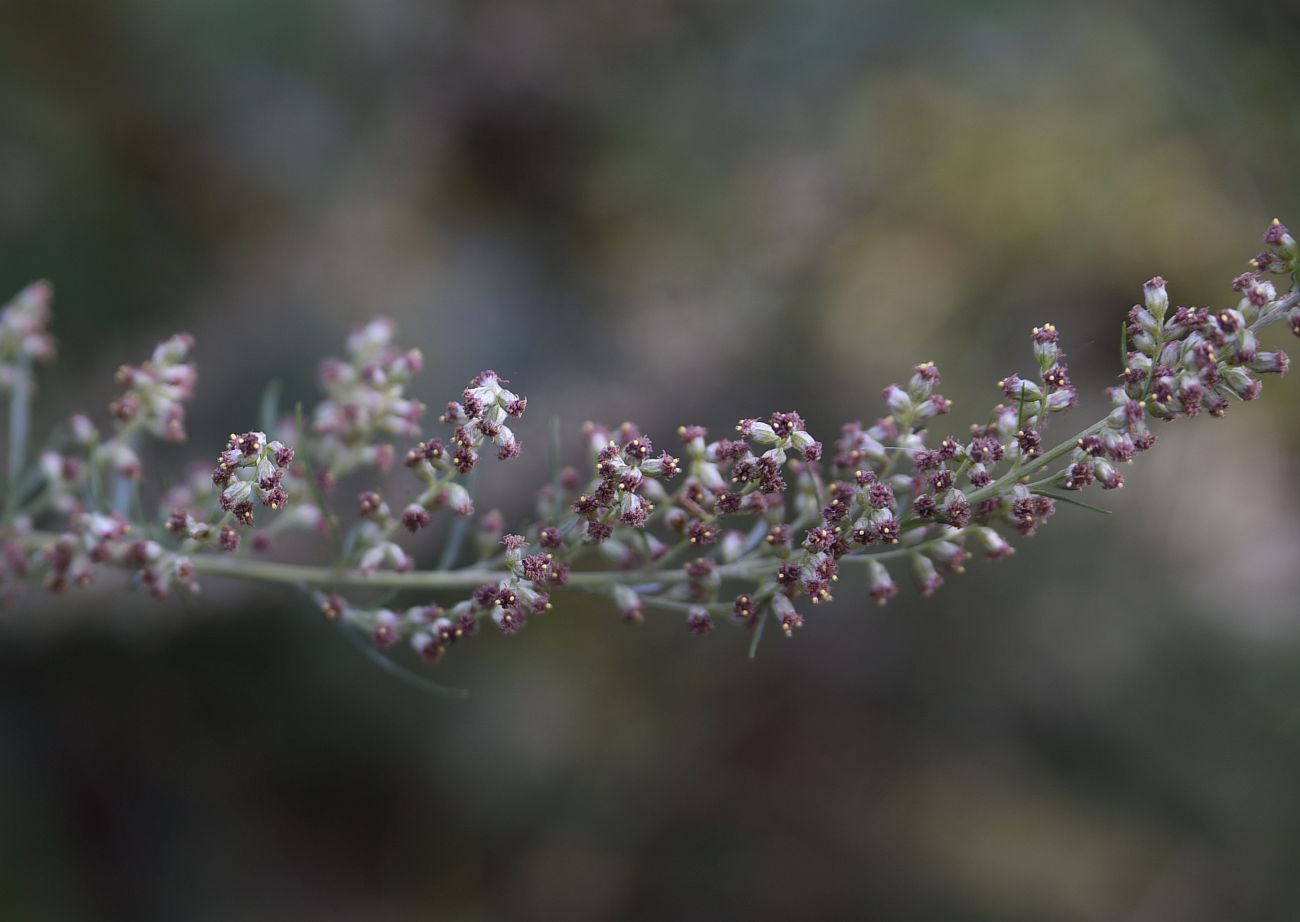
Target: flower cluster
{"x": 628, "y": 481}
{"x": 154, "y": 402}
{"x": 366, "y": 402}
{"x": 251, "y": 468}
{"x": 95, "y": 538}
{"x": 156, "y": 391}
{"x": 478, "y": 418}
{"x": 23, "y": 334}
{"x": 745, "y": 530}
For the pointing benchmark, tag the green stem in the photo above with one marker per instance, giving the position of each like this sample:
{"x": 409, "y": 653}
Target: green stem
{"x": 272, "y": 572}
{"x": 758, "y": 633}
{"x": 902, "y": 550}
{"x": 20, "y": 409}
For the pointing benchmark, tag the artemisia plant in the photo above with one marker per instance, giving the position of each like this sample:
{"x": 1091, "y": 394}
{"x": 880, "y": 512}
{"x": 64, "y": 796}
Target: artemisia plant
{"x": 753, "y": 527}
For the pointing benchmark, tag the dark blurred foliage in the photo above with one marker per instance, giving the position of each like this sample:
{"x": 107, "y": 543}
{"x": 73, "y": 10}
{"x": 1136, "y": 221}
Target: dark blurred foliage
{"x": 673, "y": 212}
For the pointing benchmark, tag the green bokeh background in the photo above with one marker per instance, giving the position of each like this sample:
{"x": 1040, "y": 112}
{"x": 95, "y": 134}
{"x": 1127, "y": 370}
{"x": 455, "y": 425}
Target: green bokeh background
{"x": 672, "y": 212}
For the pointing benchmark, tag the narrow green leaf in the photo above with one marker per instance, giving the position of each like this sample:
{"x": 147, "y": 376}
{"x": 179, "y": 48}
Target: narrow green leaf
{"x": 556, "y": 500}
{"x": 1072, "y": 501}
{"x": 268, "y": 413}
{"x": 456, "y": 534}
{"x": 402, "y": 672}
{"x": 758, "y": 634}
{"x": 317, "y": 494}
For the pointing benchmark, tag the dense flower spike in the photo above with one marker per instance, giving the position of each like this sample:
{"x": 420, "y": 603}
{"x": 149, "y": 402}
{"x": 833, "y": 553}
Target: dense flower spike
{"x": 740, "y": 531}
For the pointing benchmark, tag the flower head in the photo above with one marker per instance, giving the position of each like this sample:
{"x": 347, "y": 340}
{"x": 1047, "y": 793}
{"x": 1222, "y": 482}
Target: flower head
{"x": 251, "y": 468}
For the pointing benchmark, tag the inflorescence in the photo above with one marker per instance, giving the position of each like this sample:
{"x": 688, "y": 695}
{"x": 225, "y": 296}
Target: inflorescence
{"x": 746, "y": 528}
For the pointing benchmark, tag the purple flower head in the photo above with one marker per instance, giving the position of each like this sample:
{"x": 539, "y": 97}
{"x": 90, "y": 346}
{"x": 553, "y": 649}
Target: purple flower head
{"x": 699, "y": 568}
{"x": 1056, "y": 378}
{"x": 699, "y": 621}
{"x": 937, "y": 405}
{"x": 880, "y": 586}
{"x": 387, "y": 629}
{"x": 924, "y": 506}
{"x": 510, "y": 620}
{"x": 927, "y": 578}
{"x": 703, "y": 532}
{"x": 956, "y": 510}
{"x": 514, "y": 542}
{"x": 638, "y": 449}
{"x": 1030, "y": 442}
{"x": 415, "y": 517}
{"x": 924, "y": 379}
{"x": 1277, "y": 235}
{"x": 370, "y": 504}
{"x": 984, "y": 449}
{"x": 785, "y": 424}
{"x": 821, "y": 538}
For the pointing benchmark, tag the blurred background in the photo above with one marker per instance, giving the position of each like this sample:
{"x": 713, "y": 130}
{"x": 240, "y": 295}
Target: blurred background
{"x": 673, "y": 212}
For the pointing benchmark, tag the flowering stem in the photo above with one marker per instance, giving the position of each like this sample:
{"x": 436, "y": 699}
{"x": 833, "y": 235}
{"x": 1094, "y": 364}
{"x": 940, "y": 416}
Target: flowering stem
{"x": 852, "y": 508}
{"x": 1279, "y": 310}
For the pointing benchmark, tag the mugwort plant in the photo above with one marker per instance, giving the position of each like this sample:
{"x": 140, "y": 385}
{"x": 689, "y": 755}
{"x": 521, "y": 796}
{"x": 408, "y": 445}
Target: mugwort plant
{"x": 753, "y": 527}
